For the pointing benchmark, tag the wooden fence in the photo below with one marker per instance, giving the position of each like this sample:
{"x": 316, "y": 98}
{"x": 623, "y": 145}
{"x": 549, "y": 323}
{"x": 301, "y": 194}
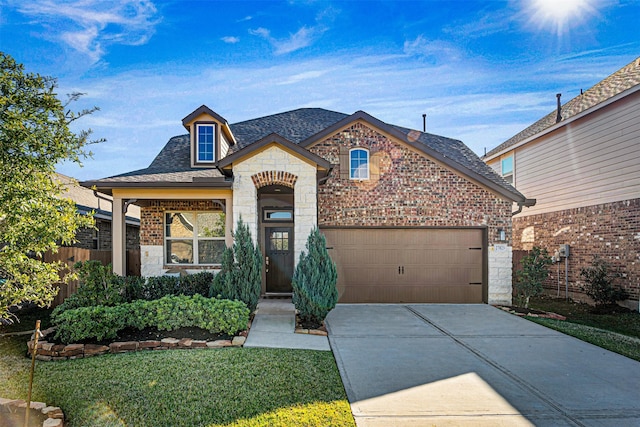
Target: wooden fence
{"x": 70, "y": 256}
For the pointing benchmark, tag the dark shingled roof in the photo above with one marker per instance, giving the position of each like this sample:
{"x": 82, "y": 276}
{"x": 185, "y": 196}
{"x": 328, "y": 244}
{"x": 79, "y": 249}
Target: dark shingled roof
{"x": 296, "y": 125}
{"x": 620, "y": 81}
{"x": 173, "y": 163}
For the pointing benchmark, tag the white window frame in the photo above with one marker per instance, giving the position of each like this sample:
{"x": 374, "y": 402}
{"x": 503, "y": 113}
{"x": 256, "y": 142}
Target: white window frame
{"x": 508, "y": 176}
{"x": 194, "y": 238}
{"x": 197, "y": 141}
{"x": 351, "y": 170}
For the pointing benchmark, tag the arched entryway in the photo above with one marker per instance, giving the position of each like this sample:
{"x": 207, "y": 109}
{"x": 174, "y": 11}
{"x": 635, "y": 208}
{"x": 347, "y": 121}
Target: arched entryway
{"x": 276, "y": 236}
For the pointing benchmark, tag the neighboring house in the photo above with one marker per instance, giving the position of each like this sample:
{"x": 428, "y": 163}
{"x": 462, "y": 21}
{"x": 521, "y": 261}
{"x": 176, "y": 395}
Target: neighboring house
{"x": 582, "y": 165}
{"x": 88, "y": 201}
{"x": 408, "y": 216}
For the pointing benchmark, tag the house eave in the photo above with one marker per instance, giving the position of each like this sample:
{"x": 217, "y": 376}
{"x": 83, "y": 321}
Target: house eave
{"x": 107, "y": 187}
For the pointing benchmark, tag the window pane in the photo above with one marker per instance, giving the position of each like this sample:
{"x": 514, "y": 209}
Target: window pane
{"x": 211, "y": 224}
{"x": 205, "y": 143}
{"x": 359, "y": 164}
{"x": 180, "y": 252}
{"x": 180, "y": 224}
{"x": 210, "y": 251}
{"x": 507, "y": 165}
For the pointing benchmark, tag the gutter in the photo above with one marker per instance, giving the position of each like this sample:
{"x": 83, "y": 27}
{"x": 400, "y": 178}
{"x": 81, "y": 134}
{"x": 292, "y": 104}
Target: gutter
{"x": 526, "y": 203}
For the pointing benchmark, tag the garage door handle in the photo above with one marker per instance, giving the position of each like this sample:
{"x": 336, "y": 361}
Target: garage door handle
{"x": 475, "y": 283}
{"x": 475, "y": 249}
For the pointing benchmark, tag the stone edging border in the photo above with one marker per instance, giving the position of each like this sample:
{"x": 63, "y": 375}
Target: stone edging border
{"x": 54, "y": 413}
{"x": 47, "y": 351}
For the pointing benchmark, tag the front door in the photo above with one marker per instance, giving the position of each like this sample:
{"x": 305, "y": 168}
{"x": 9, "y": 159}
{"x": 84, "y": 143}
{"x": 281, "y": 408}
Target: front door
{"x": 279, "y": 258}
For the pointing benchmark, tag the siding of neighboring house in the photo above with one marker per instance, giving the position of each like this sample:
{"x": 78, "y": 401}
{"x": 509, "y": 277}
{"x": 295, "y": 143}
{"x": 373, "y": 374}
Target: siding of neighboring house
{"x": 585, "y": 177}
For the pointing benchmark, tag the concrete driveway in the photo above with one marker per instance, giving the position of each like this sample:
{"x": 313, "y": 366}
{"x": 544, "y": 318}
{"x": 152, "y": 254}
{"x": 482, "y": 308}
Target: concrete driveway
{"x": 452, "y": 365}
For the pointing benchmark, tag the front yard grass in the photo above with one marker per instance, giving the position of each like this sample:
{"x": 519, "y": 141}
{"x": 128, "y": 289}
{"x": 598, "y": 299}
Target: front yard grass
{"x": 225, "y": 387}
{"x": 617, "y": 332}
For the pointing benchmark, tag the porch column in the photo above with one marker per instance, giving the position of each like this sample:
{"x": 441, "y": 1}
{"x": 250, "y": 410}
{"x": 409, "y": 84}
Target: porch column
{"x": 119, "y": 238}
{"x": 228, "y": 202}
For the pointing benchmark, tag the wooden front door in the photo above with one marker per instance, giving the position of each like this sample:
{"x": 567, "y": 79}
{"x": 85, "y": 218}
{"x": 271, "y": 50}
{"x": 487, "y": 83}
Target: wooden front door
{"x": 279, "y": 258}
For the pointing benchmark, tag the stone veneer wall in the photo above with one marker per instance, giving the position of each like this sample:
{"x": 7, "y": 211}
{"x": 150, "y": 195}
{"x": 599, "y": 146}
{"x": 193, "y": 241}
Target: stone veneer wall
{"x": 411, "y": 190}
{"x": 288, "y": 166}
{"x": 611, "y": 231}
{"x": 152, "y": 233}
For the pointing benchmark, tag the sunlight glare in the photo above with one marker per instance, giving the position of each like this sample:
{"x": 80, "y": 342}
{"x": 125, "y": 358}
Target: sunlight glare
{"x": 560, "y": 14}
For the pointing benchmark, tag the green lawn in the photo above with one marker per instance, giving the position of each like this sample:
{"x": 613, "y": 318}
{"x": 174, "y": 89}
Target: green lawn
{"x": 618, "y": 332}
{"x": 224, "y": 387}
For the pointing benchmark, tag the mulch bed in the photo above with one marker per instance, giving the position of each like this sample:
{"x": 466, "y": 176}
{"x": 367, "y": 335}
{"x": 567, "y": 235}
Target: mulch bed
{"x": 521, "y": 311}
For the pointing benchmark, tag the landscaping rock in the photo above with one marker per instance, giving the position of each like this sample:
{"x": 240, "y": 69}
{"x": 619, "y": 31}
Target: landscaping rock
{"x": 317, "y": 332}
{"x": 238, "y": 341}
{"x": 198, "y": 344}
{"x": 218, "y": 343}
{"x": 53, "y": 422}
{"x": 46, "y": 358}
{"x": 53, "y": 412}
{"x": 149, "y": 344}
{"x": 302, "y": 331}
{"x": 185, "y": 343}
{"x": 95, "y": 349}
{"x": 121, "y": 347}
{"x": 170, "y": 342}
{"x": 72, "y": 350}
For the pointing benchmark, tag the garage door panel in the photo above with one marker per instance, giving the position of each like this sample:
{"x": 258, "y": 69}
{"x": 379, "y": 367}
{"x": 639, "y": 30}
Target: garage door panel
{"x": 408, "y": 265}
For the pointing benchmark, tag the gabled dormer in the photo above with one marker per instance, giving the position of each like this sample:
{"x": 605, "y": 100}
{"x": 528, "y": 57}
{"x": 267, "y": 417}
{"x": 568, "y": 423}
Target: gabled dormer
{"x": 210, "y": 136}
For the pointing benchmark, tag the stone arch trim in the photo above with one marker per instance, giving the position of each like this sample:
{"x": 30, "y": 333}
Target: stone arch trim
{"x": 264, "y": 178}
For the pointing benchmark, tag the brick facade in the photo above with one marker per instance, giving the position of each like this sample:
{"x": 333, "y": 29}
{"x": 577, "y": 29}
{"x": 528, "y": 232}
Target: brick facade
{"x": 85, "y": 236}
{"x": 407, "y": 190}
{"x": 264, "y": 178}
{"x": 611, "y": 231}
{"x": 152, "y": 217}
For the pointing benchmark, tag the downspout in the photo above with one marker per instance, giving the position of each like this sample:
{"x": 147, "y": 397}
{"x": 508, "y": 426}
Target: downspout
{"x": 98, "y": 196}
{"x": 525, "y": 203}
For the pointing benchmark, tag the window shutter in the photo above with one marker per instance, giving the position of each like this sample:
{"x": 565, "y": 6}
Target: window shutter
{"x": 344, "y": 163}
{"x": 374, "y": 166}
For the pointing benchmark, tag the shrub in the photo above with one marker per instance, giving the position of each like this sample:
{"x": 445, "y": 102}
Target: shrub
{"x": 599, "y": 283}
{"x": 534, "y": 272}
{"x": 240, "y": 275}
{"x": 314, "y": 281}
{"x": 167, "y": 313}
{"x": 97, "y": 286}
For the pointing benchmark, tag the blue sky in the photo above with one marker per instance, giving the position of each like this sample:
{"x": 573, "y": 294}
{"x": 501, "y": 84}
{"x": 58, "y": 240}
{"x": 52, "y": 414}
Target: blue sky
{"x": 481, "y": 70}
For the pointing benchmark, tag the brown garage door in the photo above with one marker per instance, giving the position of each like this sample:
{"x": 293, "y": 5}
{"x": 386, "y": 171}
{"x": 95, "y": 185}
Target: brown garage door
{"x": 408, "y": 265}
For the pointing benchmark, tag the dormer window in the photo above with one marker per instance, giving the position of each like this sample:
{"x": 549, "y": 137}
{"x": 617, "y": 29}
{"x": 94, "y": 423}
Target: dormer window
{"x": 206, "y": 143}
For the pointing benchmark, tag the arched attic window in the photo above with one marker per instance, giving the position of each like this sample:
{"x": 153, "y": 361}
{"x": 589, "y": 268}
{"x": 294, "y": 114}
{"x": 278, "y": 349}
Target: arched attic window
{"x": 359, "y": 163}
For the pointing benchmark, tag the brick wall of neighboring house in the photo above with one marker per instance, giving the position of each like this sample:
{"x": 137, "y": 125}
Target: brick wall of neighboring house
{"x": 85, "y": 236}
{"x": 409, "y": 190}
{"x": 611, "y": 231}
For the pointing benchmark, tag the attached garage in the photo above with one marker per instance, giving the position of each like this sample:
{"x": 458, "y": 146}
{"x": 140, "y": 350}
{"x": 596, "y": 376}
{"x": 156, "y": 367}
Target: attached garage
{"x": 409, "y": 265}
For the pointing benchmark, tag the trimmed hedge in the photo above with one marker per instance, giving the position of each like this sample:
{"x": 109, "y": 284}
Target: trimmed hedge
{"x": 167, "y": 313}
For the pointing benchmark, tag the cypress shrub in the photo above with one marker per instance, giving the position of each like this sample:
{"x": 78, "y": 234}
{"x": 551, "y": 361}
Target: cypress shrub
{"x": 240, "y": 275}
{"x": 314, "y": 281}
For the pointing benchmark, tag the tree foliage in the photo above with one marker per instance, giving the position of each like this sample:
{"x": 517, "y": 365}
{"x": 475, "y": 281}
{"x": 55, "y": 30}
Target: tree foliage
{"x": 240, "y": 275}
{"x": 314, "y": 281}
{"x": 34, "y": 137}
{"x": 534, "y": 272}
{"x": 600, "y": 284}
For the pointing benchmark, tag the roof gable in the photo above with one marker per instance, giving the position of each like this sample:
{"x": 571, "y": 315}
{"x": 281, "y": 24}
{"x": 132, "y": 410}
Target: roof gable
{"x": 453, "y": 153}
{"x": 274, "y": 138}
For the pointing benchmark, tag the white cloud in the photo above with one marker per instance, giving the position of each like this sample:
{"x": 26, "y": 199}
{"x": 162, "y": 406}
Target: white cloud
{"x": 437, "y": 50}
{"x": 302, "y": 38}
{"x": 230, "y": 39}
{"x": 90, "y": 26}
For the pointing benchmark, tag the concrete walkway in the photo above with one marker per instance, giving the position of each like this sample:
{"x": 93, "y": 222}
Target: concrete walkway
{"x": 475, "y": 365}
{"x": 274, "y": 325}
